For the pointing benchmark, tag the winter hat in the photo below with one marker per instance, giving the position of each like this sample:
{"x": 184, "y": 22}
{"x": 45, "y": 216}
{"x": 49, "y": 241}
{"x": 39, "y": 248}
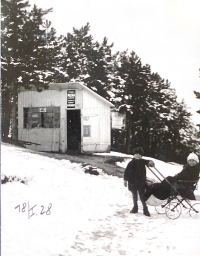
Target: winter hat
{"x": 193, "y": 156}
{"x": 138, "y": 150}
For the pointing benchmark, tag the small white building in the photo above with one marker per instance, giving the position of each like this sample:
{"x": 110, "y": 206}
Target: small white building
{"x": 67, "y": 116}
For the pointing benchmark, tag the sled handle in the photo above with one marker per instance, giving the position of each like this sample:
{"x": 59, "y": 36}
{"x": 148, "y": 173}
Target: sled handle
{"x": 163, "y": 177}
{"x": 154, "y": 173}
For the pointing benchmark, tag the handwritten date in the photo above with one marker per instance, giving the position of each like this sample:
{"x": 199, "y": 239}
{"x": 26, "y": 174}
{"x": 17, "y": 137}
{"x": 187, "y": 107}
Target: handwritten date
{"x": 25, "y": 207}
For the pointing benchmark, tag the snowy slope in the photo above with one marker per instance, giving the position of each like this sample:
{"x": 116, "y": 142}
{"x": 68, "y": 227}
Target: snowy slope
{"x": 89, "y": 214}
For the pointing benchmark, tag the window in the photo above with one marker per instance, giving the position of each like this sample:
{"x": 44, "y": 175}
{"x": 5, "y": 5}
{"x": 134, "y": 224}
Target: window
{"x": 86, "y": 118}
{"x": 86, "y": 130}
{"x": 35, "y": 117}
{"x": 48, "y": 117}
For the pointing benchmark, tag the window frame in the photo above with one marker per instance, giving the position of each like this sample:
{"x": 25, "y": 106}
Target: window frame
{"x": 41, "y": 117}
{"x": 87, "y": 130}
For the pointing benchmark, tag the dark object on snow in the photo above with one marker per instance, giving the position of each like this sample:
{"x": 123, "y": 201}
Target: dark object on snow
{"x": 92, "y": 172}
{"x": 5, "y": 180}
{"x": 11, "y": 179}
{"x": 90, "y": 169}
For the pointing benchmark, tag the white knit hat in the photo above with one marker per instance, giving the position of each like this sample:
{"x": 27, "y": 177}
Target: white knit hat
{"x": 193, "y": 156}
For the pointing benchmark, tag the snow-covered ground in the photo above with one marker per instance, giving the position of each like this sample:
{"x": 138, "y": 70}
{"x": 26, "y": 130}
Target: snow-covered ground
{"x": 83, "y": 214}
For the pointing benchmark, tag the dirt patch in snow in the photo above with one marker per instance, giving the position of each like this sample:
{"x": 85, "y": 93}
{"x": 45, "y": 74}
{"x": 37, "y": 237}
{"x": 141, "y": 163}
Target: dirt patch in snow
{"x": 106, "y": 163}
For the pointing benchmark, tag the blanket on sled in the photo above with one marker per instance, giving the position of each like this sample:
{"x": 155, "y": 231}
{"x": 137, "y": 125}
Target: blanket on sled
{"x": 156, "y": 193}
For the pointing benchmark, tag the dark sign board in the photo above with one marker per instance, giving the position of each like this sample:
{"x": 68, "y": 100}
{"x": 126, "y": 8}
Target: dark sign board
{"x": 71, "y": 98}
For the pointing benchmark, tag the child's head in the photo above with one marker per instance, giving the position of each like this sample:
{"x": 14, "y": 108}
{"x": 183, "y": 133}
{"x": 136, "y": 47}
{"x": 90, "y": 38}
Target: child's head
{"x": 138, "y": 152}
{"x": 192, "y": 159}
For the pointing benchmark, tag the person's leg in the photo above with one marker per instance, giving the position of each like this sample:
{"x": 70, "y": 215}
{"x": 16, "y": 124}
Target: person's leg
{"x": 145, "y": 208}
{"x": 135, "y": 198}
{"x": 148, "y": 192}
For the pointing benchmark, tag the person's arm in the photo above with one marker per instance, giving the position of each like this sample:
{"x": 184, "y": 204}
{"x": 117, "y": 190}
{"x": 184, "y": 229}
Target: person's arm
{"x": 125, "y": 183}
{"x": 149, "y": 163}
{"x": 126, "y": 173}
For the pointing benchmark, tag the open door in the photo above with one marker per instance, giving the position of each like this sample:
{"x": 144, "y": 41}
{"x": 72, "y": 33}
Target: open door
{"x": 73, "y": 129}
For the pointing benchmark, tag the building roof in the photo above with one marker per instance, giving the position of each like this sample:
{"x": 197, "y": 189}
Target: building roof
{"x": 71, "y": 85}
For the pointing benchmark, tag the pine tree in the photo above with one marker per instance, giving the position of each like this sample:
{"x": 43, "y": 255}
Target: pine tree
{"x": 198, "y": 97}
{"x": 58, "y": 54}
{"x": 100, "y": 67}
{"x": 162, "y": 99}
{"x": 36, "y": 57}
{"x": 150, "y": 105}
{"x": 27, "y": 59}
{"x": 13, "y": 16}
{"x": 131, "y": 96}
{"x": 87, "y": 61}
{"x": 184, "y": 133}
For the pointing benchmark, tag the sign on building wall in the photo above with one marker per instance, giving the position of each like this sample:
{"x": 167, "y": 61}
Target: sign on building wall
{"x": 71, "y": 98}
{"x": 42, "y": 110}
{"x": 118, "y": 120}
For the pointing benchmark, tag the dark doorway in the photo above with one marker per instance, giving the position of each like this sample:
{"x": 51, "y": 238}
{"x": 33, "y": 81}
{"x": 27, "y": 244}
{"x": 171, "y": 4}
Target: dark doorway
{"x": 73, "y": 129}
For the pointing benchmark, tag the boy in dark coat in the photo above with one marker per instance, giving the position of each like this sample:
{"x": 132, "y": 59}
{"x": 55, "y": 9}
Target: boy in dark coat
{"x": 135, "y": 176}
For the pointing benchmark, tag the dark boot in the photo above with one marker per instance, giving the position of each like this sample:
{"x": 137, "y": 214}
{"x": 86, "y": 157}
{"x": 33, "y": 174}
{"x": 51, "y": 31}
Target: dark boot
{"x": 134, "y": 210}
{"x": 145, "y": 208}
{"x": 135, "y": 203}
{"x": 146, "y": 211}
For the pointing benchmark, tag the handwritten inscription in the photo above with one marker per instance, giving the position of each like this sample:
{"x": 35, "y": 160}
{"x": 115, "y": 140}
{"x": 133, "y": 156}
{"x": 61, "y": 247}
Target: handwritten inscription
{"x": 26, "y": 208}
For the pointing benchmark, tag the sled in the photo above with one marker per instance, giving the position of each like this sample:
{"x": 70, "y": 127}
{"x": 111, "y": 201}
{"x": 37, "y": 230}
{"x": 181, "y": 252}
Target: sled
{"x": 177, "y": 198}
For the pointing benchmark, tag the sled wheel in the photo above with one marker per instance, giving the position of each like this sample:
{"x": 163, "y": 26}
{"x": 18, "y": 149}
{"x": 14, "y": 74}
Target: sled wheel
{"x": 194, "y": 209}
{"x": 173, "y": 210}
{"x": 185, "y": 205}
{"x": 160, "y": 209}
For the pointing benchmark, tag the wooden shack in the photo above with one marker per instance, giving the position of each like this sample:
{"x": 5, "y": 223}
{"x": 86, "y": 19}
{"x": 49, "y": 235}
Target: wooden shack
{"x": 66, "y": 116}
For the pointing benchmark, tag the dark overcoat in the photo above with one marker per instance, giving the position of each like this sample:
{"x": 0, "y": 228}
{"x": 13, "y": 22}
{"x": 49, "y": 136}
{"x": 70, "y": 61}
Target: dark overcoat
{"x": 135, "y": 173}
{"x": 190, "y": 173}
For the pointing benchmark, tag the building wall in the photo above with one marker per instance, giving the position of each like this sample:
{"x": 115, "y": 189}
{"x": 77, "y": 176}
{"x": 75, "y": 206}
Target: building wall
{"x": 52, "y": 139}
{"x": 99, "y": 118}
{"x": 49, "y": 138}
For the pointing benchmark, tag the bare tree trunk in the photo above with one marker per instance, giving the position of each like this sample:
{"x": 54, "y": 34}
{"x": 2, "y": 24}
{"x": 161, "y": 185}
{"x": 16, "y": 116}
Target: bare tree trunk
{"x": 14, "y": 123}
{"x": 130, "y": 135}
{"x": 128, "y": 132}
{"x": 5, "y": 115}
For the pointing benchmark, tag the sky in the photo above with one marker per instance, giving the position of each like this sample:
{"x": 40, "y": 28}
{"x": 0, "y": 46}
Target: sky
{"x": 61, "y": 210}
{"x": 164, "y": 33}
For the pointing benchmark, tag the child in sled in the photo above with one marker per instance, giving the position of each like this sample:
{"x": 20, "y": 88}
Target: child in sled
{"x": 182, "y": 182}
